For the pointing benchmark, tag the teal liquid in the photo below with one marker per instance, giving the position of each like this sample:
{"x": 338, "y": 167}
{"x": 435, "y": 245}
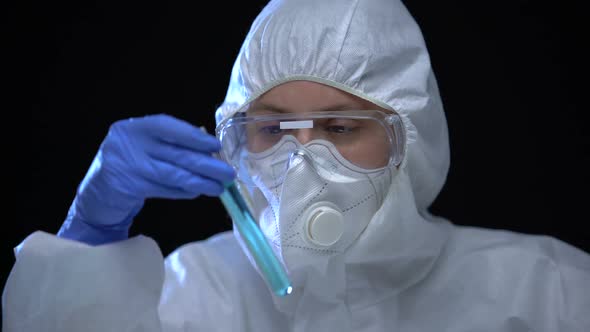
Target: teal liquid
{"x": 260, "y": 250}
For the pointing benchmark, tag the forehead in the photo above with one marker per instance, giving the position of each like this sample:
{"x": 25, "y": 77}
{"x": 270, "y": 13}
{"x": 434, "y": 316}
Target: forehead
{"x": 307, "y": 96}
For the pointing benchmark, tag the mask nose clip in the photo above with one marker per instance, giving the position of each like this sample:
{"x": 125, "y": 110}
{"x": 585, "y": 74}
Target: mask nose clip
{"x": 319, "y": 165}
{"x": 299, "y": 155}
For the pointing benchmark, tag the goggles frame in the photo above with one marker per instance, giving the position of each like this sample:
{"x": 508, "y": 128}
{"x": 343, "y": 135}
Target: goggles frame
{"x": 392, "y": 124}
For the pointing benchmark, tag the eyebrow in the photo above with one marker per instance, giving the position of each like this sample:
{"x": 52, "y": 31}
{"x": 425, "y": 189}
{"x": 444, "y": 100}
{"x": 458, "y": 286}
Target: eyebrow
{"x": 276, "y": 109}
{"x": 266, "y": 107}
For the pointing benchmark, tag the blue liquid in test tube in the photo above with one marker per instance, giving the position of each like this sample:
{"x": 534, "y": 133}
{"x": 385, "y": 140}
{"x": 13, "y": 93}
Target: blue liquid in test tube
{"x": 267, "y": 262}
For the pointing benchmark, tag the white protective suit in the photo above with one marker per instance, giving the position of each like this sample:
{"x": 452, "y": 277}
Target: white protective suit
{"x": 408, "y": 270}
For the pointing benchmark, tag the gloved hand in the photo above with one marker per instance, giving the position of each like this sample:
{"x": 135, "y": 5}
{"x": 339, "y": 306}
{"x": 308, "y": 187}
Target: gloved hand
{"x": 156, "y": 156}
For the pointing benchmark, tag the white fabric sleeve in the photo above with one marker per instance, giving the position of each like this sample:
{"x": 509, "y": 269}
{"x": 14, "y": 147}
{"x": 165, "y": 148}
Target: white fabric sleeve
{"x": 59, "y": 285}
{"x": 573, "y": 266}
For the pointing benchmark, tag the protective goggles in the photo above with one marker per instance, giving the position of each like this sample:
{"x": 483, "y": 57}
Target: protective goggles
{"x": 369, "y": 139}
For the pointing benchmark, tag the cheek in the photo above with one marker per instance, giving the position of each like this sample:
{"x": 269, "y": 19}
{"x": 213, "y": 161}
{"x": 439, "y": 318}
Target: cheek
{"x": 369, "y": 155}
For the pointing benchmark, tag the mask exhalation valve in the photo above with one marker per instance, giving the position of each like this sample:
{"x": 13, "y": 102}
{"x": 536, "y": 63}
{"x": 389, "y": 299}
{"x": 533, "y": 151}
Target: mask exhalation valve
{"x": 324, "y": 224}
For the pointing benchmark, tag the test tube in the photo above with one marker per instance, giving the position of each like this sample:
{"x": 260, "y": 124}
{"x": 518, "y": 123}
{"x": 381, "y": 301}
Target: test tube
{"x": 268, "y": 264}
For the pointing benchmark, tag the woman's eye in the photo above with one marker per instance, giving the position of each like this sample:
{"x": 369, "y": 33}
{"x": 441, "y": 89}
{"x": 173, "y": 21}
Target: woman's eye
{"x": 339, "y": 129}
{"x": 271, "y": 130}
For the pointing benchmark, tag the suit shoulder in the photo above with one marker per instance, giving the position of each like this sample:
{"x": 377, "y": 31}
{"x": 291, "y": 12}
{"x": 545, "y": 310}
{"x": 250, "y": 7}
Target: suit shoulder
{"x": 511, "y": 245}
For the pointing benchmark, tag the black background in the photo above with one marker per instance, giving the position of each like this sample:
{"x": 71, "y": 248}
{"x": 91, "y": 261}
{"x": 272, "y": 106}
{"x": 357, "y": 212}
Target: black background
{"x": 507, "y": 70}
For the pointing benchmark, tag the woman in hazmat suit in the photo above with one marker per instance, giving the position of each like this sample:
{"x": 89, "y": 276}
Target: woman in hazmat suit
{"x": 334, "y": 133}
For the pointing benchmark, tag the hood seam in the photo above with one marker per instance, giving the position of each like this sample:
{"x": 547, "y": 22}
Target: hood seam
{"x": 345, "y": 35}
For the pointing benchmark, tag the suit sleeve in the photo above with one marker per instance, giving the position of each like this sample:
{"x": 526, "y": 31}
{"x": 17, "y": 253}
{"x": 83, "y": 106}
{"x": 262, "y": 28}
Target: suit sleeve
{"x": 58, "y": 285}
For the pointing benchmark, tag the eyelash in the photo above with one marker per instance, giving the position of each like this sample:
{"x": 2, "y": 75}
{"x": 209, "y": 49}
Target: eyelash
{"x": 335, "y": 128}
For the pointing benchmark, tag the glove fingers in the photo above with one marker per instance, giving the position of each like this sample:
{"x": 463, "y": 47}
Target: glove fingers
{"x": 165, "y": 180}
{"x": 169, "y": 129}
{"x": 198, "y": 163}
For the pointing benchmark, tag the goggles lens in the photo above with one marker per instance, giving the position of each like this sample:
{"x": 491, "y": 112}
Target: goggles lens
{"x": 369, "y": 139}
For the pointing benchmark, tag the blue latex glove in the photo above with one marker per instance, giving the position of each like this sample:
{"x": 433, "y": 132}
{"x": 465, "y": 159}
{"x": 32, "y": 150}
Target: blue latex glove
{"x": 156, "y": 156}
